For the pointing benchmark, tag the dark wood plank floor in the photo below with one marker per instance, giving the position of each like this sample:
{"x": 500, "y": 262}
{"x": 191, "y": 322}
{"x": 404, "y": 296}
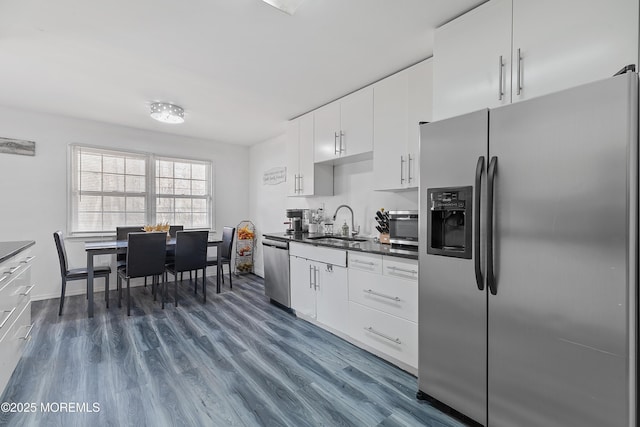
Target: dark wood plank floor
{"x": 235, "y": 361}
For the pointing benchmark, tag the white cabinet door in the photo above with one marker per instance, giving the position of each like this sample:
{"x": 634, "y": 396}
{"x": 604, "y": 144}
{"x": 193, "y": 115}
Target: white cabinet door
{"x": 332, "y": 297}
{"x": 326, "y": 132}
{"x": 570, "y": 42}
{"x": 303, "y": 294}
{"x": 467, "y": 53}
{"x": 390, "y": 111}
{"x": 356, "y": 123}
{"x": 306, "y": 184}
{"x": 420, "y": 107}
{"x": 292, "y": 136}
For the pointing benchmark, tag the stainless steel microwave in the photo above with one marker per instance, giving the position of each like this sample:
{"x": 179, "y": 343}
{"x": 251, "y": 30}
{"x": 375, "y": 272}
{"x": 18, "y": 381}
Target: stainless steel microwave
{"x": 403, "y": 228}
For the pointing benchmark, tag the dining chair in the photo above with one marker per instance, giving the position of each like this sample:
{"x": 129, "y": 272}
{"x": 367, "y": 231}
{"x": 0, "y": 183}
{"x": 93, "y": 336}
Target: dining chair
{"x": 77, "y": 273}
{"x": 121, "y": 234}
{"x": 190, "y": 255}
{"x": 224, "y": 252}
{"x": 146, "y": 256}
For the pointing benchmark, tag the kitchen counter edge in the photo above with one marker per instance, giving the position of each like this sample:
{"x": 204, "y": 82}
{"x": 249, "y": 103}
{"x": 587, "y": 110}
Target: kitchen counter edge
{"x": 368, "y": 246}
{"x": 11, "y": 249}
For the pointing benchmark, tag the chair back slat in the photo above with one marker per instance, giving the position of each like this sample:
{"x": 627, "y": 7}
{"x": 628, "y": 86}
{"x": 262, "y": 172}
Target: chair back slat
{"x": 146, "y": 254}
{"x": 62, "y": 252}
{"x": 228, "y": 233}
{"x": 191, "y": 250}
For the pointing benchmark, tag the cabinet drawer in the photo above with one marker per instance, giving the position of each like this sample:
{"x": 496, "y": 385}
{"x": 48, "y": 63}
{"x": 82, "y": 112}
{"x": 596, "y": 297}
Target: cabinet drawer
{"x": 15, "y": 287}
{"x": 318, "y": 253}
{"x": 365, "y": 262}
{"x": 13, "y": 342}
{"x": 393, "y": 296}
{"x": 388, "y": 334}
{"x": 402, "y": 268}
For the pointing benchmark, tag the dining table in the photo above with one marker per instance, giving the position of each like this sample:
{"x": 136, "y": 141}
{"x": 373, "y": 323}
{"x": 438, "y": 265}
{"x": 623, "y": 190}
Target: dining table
{"x": 119, "y": 247}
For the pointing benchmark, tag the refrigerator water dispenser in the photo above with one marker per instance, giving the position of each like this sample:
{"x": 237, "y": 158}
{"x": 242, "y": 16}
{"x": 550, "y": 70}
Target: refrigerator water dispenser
{"x": 449, "y": 221}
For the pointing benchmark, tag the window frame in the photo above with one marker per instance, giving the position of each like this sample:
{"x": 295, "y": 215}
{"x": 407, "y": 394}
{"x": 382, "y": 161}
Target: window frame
{"x": 149, "y": 193}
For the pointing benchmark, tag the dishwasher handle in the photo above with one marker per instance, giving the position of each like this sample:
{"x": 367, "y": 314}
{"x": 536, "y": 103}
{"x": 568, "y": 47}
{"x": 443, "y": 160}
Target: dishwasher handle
{"x": 275, "y": 244}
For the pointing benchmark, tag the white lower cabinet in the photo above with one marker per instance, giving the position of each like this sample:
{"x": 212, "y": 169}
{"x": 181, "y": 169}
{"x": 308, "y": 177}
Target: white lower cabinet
{"x": 15, "y": 311}
{"x": 319, "y": 289}
{"x": 372, "y": 303}
{"x": 383, "y": 305}
{"x": 390, "y": 335}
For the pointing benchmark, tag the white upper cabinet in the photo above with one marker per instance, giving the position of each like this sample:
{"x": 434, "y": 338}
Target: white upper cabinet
{"x": 401, "y": 102}
{"x": 509, "y": 50}
{"x": 344, "y": 127}
{"x": 571, "y": 42}
{"x": 304, "y": 178}
{"x": 472, "y": 61}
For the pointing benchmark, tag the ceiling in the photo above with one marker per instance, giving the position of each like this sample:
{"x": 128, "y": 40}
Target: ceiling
{"x": 239, "y": 68}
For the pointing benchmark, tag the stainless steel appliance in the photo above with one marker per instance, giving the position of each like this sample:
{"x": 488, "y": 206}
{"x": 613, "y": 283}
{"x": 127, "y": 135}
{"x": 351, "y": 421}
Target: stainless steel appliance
{"x": 276, "y": 271}
{"x": 298, "y": 221}
{"x": 528, "y": 289}
{"x": 403, "y": 228}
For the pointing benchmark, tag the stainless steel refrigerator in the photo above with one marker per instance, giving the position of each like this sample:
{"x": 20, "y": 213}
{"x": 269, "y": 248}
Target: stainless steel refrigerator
{"x": 529, "y": 259}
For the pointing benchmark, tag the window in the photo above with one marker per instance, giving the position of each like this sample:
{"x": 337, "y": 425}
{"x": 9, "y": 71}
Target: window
{"x": 116, "y": 188}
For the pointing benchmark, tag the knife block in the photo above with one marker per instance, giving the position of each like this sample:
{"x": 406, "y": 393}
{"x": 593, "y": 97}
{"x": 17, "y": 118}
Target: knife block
{"x": 384, "y": 238}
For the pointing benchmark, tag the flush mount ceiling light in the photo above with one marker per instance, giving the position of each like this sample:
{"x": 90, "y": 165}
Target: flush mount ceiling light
{"x": 287, "y": 6}
{"x": 167, "y": 113}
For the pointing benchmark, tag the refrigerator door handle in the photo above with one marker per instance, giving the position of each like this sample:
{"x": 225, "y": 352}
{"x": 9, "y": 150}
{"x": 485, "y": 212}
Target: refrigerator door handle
{"x": 476, "y": 233}
{"x": 491, "y": 172}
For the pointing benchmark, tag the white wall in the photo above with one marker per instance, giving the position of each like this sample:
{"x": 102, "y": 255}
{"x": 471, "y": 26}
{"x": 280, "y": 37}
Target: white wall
{"x": 353, "y": 185}
{"x": 34, "y": 189}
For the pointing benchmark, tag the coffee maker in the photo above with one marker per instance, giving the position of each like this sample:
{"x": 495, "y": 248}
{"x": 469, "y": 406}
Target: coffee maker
{"x": 298, "y": 221}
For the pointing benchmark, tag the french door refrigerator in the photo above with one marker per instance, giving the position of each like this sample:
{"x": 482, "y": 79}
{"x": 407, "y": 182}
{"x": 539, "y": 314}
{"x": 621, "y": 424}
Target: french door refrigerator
{"x": 528, "y": 259}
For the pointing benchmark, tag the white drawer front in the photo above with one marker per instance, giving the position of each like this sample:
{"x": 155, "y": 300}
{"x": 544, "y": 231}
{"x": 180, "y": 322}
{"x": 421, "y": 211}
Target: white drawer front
{"x": 319, "y": 253}
{"x": 365, "y": 262}
{"x": 388, "y": 334}
{"x": 13, "y": 342}
{"x": 15, "y": 288}
{"x": 388, "y": 294}
{"x": 402, "y": 268}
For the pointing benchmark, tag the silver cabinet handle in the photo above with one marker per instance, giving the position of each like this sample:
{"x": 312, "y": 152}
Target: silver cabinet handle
{"x": 402, "y": 270}
{"x": 295, "y": 183}
{"x": 357, "y": 261}
{"x": 315, "y": 281}
{"x": 341, "y": 149}
{"x": 4, "y": 277}
{"x": 500, "y": 68}
{"x": 14, "y": 269}
{"x": 372, "y": 292}
{"x": 8, "y": 316}
{"x": 402, "y": 160}
{"x": 518, "y": 72}
{"x": 380, "y": 334}
{"x": 27, "y": 260}
{"x": 26, "y": 336}
{"x": 300, "y": 182}
{"x": 28, "y": 291}
{"x": 409, "y": 168}
{"x": 310, "y": 282}
{"x": 335, "y": 143}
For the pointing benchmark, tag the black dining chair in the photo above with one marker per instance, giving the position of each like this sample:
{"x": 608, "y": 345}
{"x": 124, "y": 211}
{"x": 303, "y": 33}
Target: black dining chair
{"x": 77, "y": 273}
{"x": 190, "y": 255}
{"x": 224, "y": 252}
{"x": 146, "y": 256}
{"x": 121, "y": 234}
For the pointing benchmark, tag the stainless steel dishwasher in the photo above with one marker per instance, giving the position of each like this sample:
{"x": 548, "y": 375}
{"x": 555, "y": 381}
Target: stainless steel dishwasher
{"x": 276, "y": 271}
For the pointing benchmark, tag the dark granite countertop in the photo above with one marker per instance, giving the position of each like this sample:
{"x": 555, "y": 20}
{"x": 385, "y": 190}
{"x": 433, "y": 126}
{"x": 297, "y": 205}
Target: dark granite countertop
{"x": 368, "y": 245}
{"x": 9, "y": 249}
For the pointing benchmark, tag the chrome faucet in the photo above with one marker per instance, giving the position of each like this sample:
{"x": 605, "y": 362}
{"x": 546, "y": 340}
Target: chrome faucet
{"x": 354, "y": 232}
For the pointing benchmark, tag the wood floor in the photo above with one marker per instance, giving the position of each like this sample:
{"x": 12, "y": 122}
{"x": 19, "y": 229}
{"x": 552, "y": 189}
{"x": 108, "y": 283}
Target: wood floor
{"x": 235, "y": 361}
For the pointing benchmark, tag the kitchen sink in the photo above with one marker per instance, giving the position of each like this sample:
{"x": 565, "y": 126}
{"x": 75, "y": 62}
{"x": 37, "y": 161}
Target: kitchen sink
{"x": 336, "y": 239}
